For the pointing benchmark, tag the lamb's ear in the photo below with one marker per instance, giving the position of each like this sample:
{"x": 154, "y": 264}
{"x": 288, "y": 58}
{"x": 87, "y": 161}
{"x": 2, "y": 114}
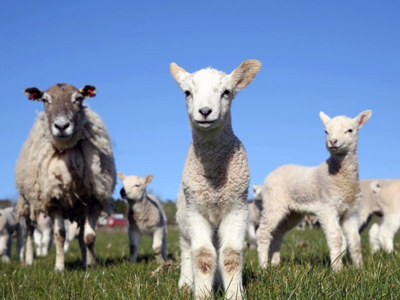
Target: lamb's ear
{"x": 148, "y": 179}
{"x": 88, "y": 91}
{"x": 375, "y": 187}
{"x": 324, "y": 117}
{"x": 363, "y": 118}
{"x": 33, "y": 94}
{"x": 121, "y": 176}
{"x": 178, "y": 73}
{"x": 245, "y": 73}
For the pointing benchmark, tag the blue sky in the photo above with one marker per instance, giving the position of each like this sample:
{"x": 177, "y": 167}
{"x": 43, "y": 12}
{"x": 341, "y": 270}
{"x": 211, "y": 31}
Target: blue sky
{"x": 341, "y": 57}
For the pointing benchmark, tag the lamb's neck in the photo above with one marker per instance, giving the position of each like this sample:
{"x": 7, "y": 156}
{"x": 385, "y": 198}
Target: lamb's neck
{"x": 213, "y": 149}
{"x": 140, "y": 206}
{"x": 345, "y": 166}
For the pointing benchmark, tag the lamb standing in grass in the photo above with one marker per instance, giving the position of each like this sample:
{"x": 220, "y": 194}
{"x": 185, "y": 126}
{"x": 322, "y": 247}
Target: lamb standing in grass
{"x": 66, "y": 168}
{"x": 42, "y": 235}
{"x": 331, "y": 191}
{"x": 145, "y": 216}
{"x": 9, "y": 228}
{"x": 212, "y": 202}
{"x": 255, "y": 208}
{"x": 381, "y": 235}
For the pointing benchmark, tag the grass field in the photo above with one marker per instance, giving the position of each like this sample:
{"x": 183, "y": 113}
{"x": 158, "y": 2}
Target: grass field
{"x": 304, "y": 273}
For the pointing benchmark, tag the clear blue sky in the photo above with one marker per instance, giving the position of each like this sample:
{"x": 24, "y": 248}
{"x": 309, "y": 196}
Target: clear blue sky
{"x": 341, "y": 57}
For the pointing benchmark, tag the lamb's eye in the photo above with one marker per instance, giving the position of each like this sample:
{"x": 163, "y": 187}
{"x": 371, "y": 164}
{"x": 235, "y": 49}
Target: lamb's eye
{"x": 326, "y": 132}
{"x": 350, "y": 130}
{"x": 137, "y": 185}
{"x": 187, "y": 93}
{"x": 225, "y": 93}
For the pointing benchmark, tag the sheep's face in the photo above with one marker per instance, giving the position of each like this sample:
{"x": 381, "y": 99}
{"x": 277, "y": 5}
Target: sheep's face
{"x": 342, "y": 132}
{"x": 134, "y": 186}
{"x": 257, "y": 192}
{"x": 63, "y": 106}
{"x": 209, "y": 92}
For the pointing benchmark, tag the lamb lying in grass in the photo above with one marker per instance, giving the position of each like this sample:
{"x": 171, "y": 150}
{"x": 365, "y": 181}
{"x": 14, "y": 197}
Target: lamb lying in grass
{"x": 331, "y": 191}
{"x": 381, "y": 235}
{"x": 145, "y": 216}
{"x": 9, "y": 228}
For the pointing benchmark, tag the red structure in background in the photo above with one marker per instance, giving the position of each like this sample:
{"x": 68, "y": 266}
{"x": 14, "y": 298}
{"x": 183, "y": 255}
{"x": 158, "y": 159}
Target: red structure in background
{"x": 117, "y": 220}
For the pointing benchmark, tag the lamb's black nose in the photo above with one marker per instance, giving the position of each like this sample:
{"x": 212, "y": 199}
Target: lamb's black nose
{"x": 205, "y": 111}
{"x": 123, "y": 193}
{"x": 61, "y": 126}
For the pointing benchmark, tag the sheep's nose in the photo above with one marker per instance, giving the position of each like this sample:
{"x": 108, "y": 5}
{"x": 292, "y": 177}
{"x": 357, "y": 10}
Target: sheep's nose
{"x": 123, "y": 193}
{"x": 62, "y": 126}
{"x": 333, "y": 142}
{"x": 205, "y": 111}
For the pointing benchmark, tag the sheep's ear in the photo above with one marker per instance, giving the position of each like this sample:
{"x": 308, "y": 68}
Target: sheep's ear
{"x": 245, "y": 73}
{"x": 88, "y": 91}
{"x": 178, "y": 73}
{"x": 148, "y": 179}
{"x": 363, "y": 118}
{"x": 324, "y": 117}
{"x": 375, "y": 187}
{"x": 121, "y": 176}
{"x": 33, "y": 94}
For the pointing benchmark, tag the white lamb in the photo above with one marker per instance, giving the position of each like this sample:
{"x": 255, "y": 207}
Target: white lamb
{"x": 212, "y": 202}
{"x": 42, "y": 235}
{"x": 145, "y": 215}
{"x": 255, "y": 208}
{"x": 9, "y": 228}
{"x": 381, "y": 235}
{"x": 66, "y": 168}
{"x": 331, "y": 191}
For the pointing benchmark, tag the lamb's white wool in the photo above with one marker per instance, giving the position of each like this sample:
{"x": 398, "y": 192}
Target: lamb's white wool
{"x": 42, "y": 235}
{"x": 331, "y": 191}
{"x": 71, "y": 232}
{"x": 255, "y": 208}
{"x": 381, "y": 235}
{"x": 145, "y": 215}
{"x": 212, "y": 202}
{"x": 66, "y": 168}
{"x": 9, "y": 228}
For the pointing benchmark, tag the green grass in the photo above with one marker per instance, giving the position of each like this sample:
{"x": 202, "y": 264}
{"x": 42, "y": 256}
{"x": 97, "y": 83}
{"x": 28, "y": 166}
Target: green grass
{"x": 304, "y": 273}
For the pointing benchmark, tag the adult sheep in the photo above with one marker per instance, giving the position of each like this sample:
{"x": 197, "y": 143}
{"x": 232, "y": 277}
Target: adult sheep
{"x": 66, "y": 168}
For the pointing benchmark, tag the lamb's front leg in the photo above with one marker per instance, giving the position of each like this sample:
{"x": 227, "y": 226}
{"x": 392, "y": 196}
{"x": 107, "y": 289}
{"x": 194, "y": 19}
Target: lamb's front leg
{"x": 59, "y": 239}
{"x": 232, "y": 233}
{"x": 204, "y": 255}
{"x": 350, "y": 225}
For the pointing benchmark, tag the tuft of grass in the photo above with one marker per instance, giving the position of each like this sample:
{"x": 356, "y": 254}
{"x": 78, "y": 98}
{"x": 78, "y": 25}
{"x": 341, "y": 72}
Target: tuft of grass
{"x": 304, "y": 273}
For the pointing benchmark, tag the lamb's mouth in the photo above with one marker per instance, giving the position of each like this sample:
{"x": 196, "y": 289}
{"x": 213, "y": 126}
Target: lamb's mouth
{"x": 334, "y": 149}
{"x": 63, "y": 137}
{"x": 205, "y": 123}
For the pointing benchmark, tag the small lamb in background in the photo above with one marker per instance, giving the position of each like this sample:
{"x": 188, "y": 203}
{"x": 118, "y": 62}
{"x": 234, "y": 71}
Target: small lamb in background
{"x": 9, "y": 228}
{"x": 255, "y": 208}
{"x": 331, "y": 191}
{"x": 42, "y": 235}
{"x": 145, "y": 215}
{"x": 381, "y": 234}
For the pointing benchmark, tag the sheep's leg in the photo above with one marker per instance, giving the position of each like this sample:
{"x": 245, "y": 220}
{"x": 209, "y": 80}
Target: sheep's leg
{"x": 204, "y": 256}
{"x": 37, "y": 239}
{"x": 158, "y": 237}
{"x": 231, "y": 252}
{"x": 20, "y": 244}
{"x": 90, "y": 236}
{"x": 29, "y": 241}
{"x": 7, "y": 253}
{"x": 46, "y": 241}
{"x": 374, "y": 238}
{"x": 186, "y": 277}
{"x": 134, "y": 241}
{"x": 67, "y": 236}
{"x": 269, "y": 222}
{"x": 82, "y": 243}
{"x": 59, "y": 239}
{"x": 353, "y": 239}
{"x": 164, "y": 245}
{"x": 252, "y": 235}
{"x": 387, "y": 230}
{"x": 330, "y": 224}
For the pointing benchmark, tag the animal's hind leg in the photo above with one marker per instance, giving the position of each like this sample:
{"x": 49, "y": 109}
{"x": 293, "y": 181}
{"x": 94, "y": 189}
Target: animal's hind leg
{"x": 270, "y": 220}
{"x": 82, "y": 243}
{"x": 158, "y": 238}
{"x": 29, "y": 241}
{"x": 90, "y": 236}
{"x": 59, "y": 239}
{"x": 291, "y": 221}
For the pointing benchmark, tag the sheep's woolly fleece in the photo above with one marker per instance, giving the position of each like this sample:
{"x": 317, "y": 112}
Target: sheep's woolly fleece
{"x": 54, "y": 176}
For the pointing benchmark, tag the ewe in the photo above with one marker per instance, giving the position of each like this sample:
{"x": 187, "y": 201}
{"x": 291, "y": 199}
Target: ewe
{"x": 145, "y": 216}
{"x": 9, "y": 228}
{"x": 331, "y": 191}
{"x": 42, "y": 235}
{"x": 255, "y": 208}
{"x": 381, "y": 235}
{"x": 212, "y": 201}
{"x": 66, "y": 168}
